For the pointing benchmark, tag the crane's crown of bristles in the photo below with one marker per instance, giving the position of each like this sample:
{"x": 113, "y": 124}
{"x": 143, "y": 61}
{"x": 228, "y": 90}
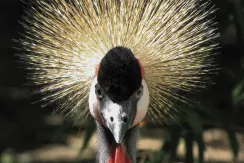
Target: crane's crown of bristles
{"x": 65, "y": 40}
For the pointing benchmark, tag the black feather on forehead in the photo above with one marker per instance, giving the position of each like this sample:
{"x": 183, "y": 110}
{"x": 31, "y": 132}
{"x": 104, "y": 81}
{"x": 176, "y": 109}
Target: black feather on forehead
{"x": 119, "y": 74}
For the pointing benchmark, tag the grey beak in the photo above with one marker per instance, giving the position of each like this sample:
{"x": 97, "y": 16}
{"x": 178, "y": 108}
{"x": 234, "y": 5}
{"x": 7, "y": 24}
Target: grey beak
{"x": 119, "y": 129}
{"x": 116, "y": 118}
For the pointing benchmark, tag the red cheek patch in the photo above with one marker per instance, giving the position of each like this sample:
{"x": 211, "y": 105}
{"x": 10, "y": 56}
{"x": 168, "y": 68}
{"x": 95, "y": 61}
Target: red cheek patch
{"x": 142, "y": 69}
{"x": 97, "y": 69}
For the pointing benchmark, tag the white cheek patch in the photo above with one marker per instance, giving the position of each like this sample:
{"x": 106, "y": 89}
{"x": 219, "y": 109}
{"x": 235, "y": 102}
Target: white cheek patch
{"x": 142, "y": 105}
{"x": 94, "y": 103}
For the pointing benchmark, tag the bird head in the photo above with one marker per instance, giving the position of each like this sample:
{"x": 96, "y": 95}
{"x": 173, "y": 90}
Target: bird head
{"x": 119, "y": 96}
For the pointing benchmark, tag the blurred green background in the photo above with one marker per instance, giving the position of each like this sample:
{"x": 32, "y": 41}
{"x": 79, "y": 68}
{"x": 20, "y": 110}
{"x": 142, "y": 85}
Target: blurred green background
{"x": 211, "y": 131}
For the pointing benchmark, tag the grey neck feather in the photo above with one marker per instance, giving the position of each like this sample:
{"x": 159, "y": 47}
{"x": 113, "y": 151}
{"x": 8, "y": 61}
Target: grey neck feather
{"x": 106, "y": 143}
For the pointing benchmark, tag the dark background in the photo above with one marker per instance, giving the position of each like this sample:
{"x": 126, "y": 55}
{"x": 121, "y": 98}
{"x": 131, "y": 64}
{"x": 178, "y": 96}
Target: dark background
{"x": 25, "y": 126}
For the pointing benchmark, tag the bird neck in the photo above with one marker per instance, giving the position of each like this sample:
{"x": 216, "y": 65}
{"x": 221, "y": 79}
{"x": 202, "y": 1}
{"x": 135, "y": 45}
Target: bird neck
{"x": 111, "y": 152}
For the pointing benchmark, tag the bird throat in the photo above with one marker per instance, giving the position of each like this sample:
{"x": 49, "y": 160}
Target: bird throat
{"x": 119, "y": 155}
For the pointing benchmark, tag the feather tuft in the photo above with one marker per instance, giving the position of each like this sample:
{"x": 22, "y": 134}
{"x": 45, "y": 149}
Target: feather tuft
{"x": 65, "y": 40}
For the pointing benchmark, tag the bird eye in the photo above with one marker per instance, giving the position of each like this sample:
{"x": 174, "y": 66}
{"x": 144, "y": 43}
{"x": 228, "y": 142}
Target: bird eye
{"x": 139, "y": 93}
{"x": 99, "y": 92}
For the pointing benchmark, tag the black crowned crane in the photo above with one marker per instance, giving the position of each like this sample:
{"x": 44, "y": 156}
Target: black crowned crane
{"x": 118, "y": 60}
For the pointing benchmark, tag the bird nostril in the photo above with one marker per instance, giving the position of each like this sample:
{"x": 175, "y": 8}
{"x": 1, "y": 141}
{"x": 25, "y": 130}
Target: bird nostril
{"x": 111, "y": 119}
{"x": 125, "y": 119}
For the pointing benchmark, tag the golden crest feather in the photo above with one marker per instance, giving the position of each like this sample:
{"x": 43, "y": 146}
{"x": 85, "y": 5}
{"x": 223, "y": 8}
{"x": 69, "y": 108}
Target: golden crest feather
{"x": 65, "y": 40}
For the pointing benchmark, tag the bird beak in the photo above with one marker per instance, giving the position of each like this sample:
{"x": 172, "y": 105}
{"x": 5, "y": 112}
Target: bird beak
{"x": 118, "y": 130}
{"x": 117, "y": 117}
